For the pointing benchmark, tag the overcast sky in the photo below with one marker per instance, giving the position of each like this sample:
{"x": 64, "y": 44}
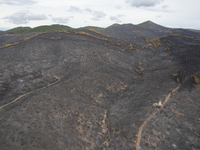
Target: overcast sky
{"x": 102, "y": 13}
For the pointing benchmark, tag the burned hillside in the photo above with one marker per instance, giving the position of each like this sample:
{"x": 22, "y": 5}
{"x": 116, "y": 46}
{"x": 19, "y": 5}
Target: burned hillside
{"x": 124, "y": 87}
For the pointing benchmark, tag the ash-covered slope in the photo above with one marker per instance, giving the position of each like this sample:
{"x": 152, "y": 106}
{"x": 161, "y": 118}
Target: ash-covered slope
{"x": 6, "y": 37}
{"x": 1, "y": 32}
{"x": 186, "y": 51}
{"x": 186, "y": 32}
{"x": 134, "y": 33}
{"x": 152, "y": 25}
{"x": 84, "y": 90}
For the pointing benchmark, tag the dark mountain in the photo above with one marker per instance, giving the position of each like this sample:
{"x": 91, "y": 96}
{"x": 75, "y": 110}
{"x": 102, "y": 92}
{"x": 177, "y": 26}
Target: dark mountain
{"x": 186, "y": 32}
{"x": 1, "y": 32}
{"x": 92, "y": 90}
{"x": 152, "y": 25}
{"x": 7, "y": 38}
{"x": 143, "y": 24}
{"x": 194, "y": 30}
{"x": 133, "y": 33}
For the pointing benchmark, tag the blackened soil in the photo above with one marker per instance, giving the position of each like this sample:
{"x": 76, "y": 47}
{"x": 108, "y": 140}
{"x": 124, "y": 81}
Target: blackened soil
{"x": 6, "y": 38}
{"x": 135, "y": 34}
{"x": 85, "y": 90}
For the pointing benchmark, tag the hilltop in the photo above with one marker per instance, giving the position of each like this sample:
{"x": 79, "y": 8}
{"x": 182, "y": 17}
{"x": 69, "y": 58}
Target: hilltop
{"x": 119, "y": 88}
{"x": 134, "y": 33}
{"x": 152, "y": 25}
{"x": 143, "y": 24}
{"x": 51, "y": 28}
{"x": 57, "y": 27}
{"x": 19, "y": 30}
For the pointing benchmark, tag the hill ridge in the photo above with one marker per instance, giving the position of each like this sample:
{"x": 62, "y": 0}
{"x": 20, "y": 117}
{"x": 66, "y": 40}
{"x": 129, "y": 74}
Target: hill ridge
{"x": 59, "y": 27}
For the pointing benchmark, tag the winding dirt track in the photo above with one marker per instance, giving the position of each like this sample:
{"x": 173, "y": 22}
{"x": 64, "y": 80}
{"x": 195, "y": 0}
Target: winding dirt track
{"x": 139, "y": 135}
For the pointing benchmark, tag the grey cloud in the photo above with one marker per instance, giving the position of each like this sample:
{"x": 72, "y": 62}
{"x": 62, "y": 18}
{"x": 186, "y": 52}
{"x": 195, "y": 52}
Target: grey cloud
{"x": 121, "y": 16}
{"x": 165, "y": 6}
{"x": 60, "y": 19}
{"x": 118, "y": 7}
{"x": 144, "y": 3}
{"x": 116, "y": 18}
{"x": 97, "y": 15}
{"x": 74, "y": 9}
{"x": 18, "y": 2}
{"x": 24, "y": 17}
{"x": 88, "y": 10}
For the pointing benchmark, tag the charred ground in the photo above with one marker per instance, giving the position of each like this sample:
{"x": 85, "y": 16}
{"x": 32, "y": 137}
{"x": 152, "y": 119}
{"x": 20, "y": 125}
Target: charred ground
{"x": 82, "y": 89}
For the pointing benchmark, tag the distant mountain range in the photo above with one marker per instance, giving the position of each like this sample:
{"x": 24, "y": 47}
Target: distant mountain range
{"x": 58, "y": 27}
{"x": 46, "y": 28}
{"x": 49, "y": 28}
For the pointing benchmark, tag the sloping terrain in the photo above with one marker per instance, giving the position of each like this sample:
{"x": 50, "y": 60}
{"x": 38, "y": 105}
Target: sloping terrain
{"x": 143, "y": 24}
{"x": 46, "y": 28}
{"x": 2, "y": 32}
{"x": 8, "y": 38}
{"x": 134, "y": 33}
{"x": 89, "y": 90}
{"x": 152, "y": 25}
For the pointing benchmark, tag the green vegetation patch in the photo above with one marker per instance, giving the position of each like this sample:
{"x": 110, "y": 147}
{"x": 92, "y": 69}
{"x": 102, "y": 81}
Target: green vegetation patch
{"x": 91, "y": 28}
{"x": 19, "y": 30}
{"x": 46, "y": 28}
{"x": 144, "y": 24}
{"x": 51, "y": 28}
{"x": 116, "y": 24}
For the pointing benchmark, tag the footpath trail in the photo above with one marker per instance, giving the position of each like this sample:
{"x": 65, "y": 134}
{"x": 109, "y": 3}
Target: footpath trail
{"x": 139, "y": 135}
{"x": 58, "y": 79}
